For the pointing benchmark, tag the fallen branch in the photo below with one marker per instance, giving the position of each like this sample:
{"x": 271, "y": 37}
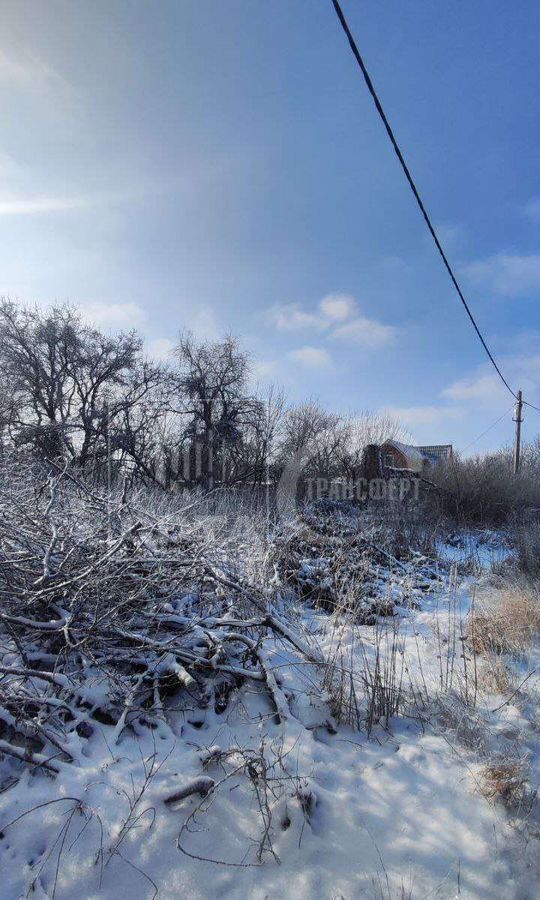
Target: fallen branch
{"x": 201, "y": 785}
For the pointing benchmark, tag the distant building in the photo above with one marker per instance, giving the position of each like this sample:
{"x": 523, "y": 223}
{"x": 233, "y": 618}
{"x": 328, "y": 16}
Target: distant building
{"x": 416, "y": 459}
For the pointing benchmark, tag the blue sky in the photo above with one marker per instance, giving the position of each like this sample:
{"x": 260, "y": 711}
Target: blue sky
{"x": 221, "y": 167}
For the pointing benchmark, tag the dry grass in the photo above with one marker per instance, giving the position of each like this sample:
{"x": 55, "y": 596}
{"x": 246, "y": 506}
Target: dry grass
{"x": 526, "y": 536}
{"x": 509, "y": 622}
{"x": 495, "y": 676}
{"x": 466, "y": 723}
{"x": 364, "y": 678}
{"x": 507, "y": 782}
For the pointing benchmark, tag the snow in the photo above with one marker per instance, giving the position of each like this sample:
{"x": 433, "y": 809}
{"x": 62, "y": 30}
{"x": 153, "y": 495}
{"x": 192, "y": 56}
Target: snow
{"x": 397, "y": 807}
{"x": 482, "y": 549}
{"x": 397, "y": 814}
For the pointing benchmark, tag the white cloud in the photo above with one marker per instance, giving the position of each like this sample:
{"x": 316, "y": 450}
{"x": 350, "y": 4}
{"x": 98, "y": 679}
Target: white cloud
{"x": 311, "y": 357}
{"x": 424, "y": 415}
{"x": 116, "y": 316}
{"x": 331, "y": 309}
{"x": 395, "y": 263}
{"x": 160, "y": 348}
{"x": 505, "y": 274}
{"x": 26, "y": 75}
{"x": 366, "y": 332}
{"x": 137, "y": 188}
{"x": 486, "y": 389}
{"x": 17, "y": 206}
{"x": 338, "y": 307}
{"x": 28, "y": 204}
{"x": 291, "y": 317}
{"x": 336, "y": 315}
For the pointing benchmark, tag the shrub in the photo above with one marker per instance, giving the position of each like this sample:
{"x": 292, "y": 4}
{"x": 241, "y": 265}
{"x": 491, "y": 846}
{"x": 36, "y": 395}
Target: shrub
{"x": 485, "y": 489}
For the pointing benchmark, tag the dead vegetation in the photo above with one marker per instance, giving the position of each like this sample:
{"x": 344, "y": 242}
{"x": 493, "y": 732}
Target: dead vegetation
{"x": 116, "y": 605}
{"x": 484, "y": 490}
{"x": 495, "y": 676}
{"x": 110, "y": 609}
{"x": 525, "y": 533}
{"x": 507, "y": 781}
{"x": 508, "y": 621}
{"x": 341, "y": 560}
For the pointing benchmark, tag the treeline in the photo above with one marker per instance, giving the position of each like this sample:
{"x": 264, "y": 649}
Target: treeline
{"x": 96, "y": 401}
{"x": 72, "y": 395}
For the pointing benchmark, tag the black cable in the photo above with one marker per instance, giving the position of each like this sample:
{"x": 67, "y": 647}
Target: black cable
{"x": 472, "y": 443}
{"x": 412, "y": 185}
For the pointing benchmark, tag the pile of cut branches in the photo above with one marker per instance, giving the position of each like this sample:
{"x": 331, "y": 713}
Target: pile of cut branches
{"x": 109, "y": 607}
{"x": 336, "y": 561}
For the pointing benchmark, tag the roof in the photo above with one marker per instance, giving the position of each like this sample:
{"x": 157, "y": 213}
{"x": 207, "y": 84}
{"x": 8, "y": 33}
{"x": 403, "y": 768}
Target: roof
{"x": 417, "y": 457}
{"x": 439, "y": 451}
{"x": 413, "y": 454}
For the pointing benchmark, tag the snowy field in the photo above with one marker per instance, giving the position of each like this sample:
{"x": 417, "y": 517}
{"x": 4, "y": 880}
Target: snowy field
{"x": 357, "y": 769}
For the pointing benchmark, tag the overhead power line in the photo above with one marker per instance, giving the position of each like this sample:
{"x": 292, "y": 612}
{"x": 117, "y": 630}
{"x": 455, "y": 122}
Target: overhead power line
{"x": 472, "y": 443}
{"x": 413, "y": 187}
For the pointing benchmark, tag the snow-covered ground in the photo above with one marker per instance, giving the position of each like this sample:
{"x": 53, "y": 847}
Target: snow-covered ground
{"x": 299, "y": 808}
{"x": 482, "y": 549}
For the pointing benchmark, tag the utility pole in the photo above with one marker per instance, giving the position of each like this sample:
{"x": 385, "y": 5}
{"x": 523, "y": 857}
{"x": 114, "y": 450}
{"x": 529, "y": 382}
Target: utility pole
{"x": 518, "y": 420}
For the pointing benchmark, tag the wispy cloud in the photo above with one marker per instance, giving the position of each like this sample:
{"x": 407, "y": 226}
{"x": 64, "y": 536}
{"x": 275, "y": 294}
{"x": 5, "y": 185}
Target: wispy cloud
{"x": 19, "y": 68}
{"x": 27, "y": 204}
{"x": 204, "y": 324}
{"x": 484, "y": 389}
{"x": 291, "y": 317}
{"x": 29, "y": 77}
{"x": 479, "y": 392}
{"x": 506, "y": 274}
{"x": 336, "y": 315}
{"x": 311, "y": 357}
{"x": 338, "y": 307}
{"x": 332, "y": 309}
{"x": 24, "y": 206}
{"x": 116, "y": 316}
{"x": 139, "y": 188}
{"x": 451, "y": 235}
{"x": 266, "y": 368}
{"x": 412, "y": 416}
{"x": 365, "y": 332}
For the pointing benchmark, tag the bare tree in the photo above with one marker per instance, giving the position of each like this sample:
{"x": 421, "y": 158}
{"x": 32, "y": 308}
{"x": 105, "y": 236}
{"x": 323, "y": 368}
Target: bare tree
{"x": 213, "y": 394}
{"x": 74, "y": 392}
{"x": 252, "y": 458}
{"x": 363, "y": 429}
{"x": 311, "y": 433}
{"x": 303, "y": 423}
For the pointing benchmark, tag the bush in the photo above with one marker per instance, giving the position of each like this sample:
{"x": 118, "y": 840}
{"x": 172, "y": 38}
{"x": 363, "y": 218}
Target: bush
{"x": 484, "y": 490}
